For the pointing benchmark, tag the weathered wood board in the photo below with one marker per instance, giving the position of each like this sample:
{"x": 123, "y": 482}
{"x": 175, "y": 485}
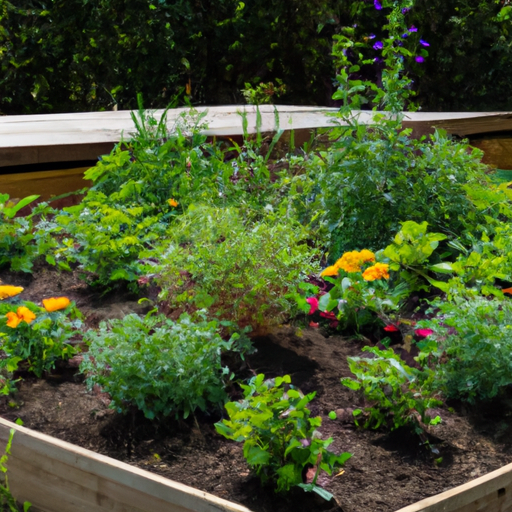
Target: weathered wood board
{"x": 46, "y": 184}
{"x": 489, "y": 493}
{"x": 56, "y": 476}
{"x": 83, "y": 136}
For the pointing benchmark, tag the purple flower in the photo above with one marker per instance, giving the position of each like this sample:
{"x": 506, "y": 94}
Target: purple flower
{"x": 378, "y": 45}
{"x": 406, "y": 34}
{"x": 413, "y": 29}
{"x": 377, "y": 60}
{"x": 424, "y": 43}
{"x": 371, "y": 36}
{"x": 378, "y": 4}
{"x": 419, "y": 58}
{"x": 405, "y": 10}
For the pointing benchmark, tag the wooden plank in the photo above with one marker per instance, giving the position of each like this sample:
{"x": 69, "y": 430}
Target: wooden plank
{"x": 47, "y": 184}
{"x": 489, "y": 493}
{"x": 66, "y": 137}
{"x": 56, "y": 476}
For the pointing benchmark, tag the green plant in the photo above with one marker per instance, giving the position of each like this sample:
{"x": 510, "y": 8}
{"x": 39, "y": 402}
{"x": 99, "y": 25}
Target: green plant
{"x": 473, "y": 333}
{"x": 355, "y": 293}
{"x": 25, "y": 239}
{"x": 239, "y": 270}
{"x": 35, "y": 338}
{"x": 160, "y": 366}
{"x": 279, "y": 435}
{"x": 7, "y": 500}
{"x": 263, "y": 93}
{"x": 106, "y": 239}
{"x": 399, "y": 395}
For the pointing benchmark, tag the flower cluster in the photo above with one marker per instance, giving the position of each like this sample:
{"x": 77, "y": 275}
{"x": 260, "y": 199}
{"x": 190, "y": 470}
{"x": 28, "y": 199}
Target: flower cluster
{"x": 349, "y": 262}
{"x": 379, "y": 45}
{"x": 377, "y": 271}
{"x": 23, "y": 314}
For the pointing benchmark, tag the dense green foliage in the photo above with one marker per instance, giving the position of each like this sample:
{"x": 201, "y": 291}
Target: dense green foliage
{"x": 280, "y": 437}
{"x": 76, "y": 55}
{"x": 399, "y": 395}
{"x": 239, "y": 270}
{"x": 159, "y": 366}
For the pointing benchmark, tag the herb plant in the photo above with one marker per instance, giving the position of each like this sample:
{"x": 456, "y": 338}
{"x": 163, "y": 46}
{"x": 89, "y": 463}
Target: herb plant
{"x": 399, "y": 395}
{"x": 279, "y": 435}
{"x": 474, "y": 336}
{"x": 159, "y": 366}
{"x": 25, "y": 239}
{"x": 241, "y": 271}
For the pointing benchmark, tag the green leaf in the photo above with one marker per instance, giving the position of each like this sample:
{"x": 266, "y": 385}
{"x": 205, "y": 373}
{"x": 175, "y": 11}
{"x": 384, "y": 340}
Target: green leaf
{"x": 256, "y": 456}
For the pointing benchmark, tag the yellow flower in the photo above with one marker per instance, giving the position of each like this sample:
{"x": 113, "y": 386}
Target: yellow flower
{"x": 56, "y": 303}
{"x": 330, "y": 271}
{"x": 378, "y": 271}
{"x": 7, "y": 291}
{"x": 23, "y": 314}
{"x": 350, "y": 262}
{"x": 172, "y": 202}
{"x": 367, "y": 255}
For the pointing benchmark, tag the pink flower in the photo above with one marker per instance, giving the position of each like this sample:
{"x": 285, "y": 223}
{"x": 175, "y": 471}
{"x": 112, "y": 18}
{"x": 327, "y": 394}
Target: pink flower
{"x": 313, "y": 302}
{"x": 423, "y": 333}
{"x": 328, "y": 314}
{"x": 391, "y": 328}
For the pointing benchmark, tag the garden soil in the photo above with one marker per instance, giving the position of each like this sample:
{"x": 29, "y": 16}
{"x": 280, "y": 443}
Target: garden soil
{"x": 386, "y": 472}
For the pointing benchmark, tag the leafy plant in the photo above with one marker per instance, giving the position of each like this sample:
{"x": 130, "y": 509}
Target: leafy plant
{"x": 7, "y": 500}
{"x": 280, "y": 437}
{"x": 239, "y": 270}
{"x": 25, "y": 239}
{"x": 399, "y": 395}
{"x": 35, "y": 338}
{"x": 473, "y": 333}
{"x": 263, "y": 93}
{"x": 355, "y": 294}
{"x": 160, "y": 366}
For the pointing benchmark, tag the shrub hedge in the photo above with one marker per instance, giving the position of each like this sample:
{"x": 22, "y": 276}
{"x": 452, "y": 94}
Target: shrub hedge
{"x": 80, "y": 55}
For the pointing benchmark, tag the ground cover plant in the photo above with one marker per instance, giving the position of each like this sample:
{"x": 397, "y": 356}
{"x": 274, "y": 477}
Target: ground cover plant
{"x": 400, "y": 245}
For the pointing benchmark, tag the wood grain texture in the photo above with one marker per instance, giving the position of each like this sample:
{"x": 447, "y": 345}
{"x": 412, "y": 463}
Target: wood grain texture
{"x": 489, "y": 493}
{"x": 56, "y": 476}
{"x": 82, "y": 136}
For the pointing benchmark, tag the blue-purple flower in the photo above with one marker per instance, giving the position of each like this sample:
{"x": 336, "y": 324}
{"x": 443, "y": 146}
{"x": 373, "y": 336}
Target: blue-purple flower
{"x": 412, "y": 28}
{"x": 405, "y": 10}
{"x": 424, "y": 43}
{"x": 371, "y": 36}
{"x": 419, "y": 58}
{"x": 378, "y": 4}
{"x": 378, "y": 45}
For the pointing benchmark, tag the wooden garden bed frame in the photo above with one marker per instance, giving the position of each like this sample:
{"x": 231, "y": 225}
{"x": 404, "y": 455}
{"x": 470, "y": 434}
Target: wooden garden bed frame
{"x": 56, "y": 476}
{"x": 84, "y": 136}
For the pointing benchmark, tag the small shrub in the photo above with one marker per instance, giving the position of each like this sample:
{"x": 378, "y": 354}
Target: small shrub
{"x": 399, "y": 395}
{"x": 239, "y": 271}
{"x": 280, "y": 438}
{"x": 475, "y": 336}
{"x": 25, "y": 239}
{"x": 159, "y": 366}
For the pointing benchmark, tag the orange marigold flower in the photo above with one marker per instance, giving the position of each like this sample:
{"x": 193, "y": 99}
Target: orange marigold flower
{"x": 23, "y": 314}
{"x": 7, "y": 291}
{"x": 13, "y": 320}
{"x": 172, "y": 202}
{"x": 330, "y": 271}
{"x": 367, "y": 255}
{"x": 378, "y": 271}
{"x": 56, "y": 303}
{"x": 350, "y": 262}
